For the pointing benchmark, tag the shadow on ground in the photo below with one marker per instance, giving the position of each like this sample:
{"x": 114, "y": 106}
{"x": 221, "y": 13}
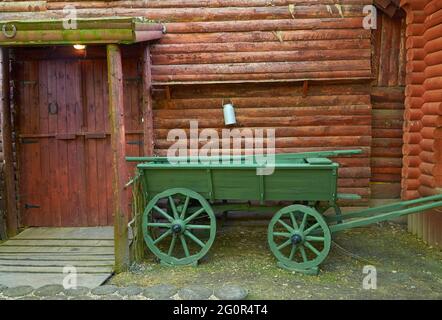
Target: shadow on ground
{"x": 406, "y": 267}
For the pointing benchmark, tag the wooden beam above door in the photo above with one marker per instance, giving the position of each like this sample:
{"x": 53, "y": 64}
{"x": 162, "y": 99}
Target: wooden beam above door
{"x": 115, "y": 30}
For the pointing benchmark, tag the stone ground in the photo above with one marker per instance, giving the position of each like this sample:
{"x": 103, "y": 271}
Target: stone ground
{"x": 240, "y": 264}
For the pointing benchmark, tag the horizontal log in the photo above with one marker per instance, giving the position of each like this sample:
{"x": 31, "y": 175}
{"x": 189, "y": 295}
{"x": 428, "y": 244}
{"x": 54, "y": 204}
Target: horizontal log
{"x": 22, "y": 6}
{"x": 286, "y": 142}
{"x": 202, "y": 14}
{"x": 274, "y": 122}
{"x": 266, "y": 56}
{"x": 264, "y": 25}
{"x": 257, "y": 77}
{"x": 268, "y": 112}
{"x": 276, "y": 67}
{"x": 259, "y": 36}
{"x": 308, "y": 131}
{"x": 265, "y": 90}
{"x": 354, "y": 102}
{"x": 341, "y": 44}
{"x": 60, "y": 4}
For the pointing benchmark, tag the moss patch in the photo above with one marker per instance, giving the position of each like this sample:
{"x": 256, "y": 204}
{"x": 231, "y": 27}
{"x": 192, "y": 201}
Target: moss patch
{"x": 406, "y": 267}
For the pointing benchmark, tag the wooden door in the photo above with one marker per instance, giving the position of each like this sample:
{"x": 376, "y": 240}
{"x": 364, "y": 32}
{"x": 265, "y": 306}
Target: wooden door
{"x": 64, "y": 142}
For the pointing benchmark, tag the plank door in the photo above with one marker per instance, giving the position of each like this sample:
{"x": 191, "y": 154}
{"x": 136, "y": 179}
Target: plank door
{"x": 64, "y": 142}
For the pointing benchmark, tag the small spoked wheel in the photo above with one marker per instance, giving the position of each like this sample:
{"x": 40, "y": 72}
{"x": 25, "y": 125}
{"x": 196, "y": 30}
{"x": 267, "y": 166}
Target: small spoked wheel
{"x": 299, "y": 238}
{"x": 179, "y": 226}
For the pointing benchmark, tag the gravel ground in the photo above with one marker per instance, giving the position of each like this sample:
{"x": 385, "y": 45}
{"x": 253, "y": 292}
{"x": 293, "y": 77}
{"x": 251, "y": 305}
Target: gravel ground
{"x": 240, "y": 266}
{"x": 406, "y": 267}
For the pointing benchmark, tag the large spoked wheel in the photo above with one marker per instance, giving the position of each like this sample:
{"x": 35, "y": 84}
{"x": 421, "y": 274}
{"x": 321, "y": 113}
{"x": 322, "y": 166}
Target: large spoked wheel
{"x": 179, "y": 226}
{"x": 299, "y": 238}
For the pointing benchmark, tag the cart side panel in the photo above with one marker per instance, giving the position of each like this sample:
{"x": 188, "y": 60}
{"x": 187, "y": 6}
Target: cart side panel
{"x": 236, "y": 184}
{"x": 301, "y": 184}
{"x": 160, "y": 179}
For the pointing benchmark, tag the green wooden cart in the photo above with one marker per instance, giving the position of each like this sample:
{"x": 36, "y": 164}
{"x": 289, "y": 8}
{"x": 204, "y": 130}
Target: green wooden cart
{"x": 181, "y": 202}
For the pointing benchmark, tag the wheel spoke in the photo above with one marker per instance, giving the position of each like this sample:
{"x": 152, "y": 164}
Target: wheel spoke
{"x": 282, "y": 234}
{"x": 184, "y": 244}
{"x": 163, "y": 213}
{"x": 285, "y": 244}
{"x": 164, "y": 235}
{"x": 313, "y": 238}
{"x": 304, "y": 221}
{"x": 294, "y": 223}
{"x": 194, "y": 238}
{"x": 194, "y": 215}
{"x": 172, "y": 245}
{"x": 186, "y": 204}
{"x": 285, "y": 225}
{"x": 292, "y": 252}
{"x": 159, "y": 224}
{"x": 303, "y": 254}
{"x": 315, "y": 251}
{"x": 198, "y": 226}
{"x": 313, "y": 227}
{"x": 173, "y": 206}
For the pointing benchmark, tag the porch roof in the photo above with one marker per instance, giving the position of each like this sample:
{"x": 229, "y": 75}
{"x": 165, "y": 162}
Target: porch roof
{"x": 117, "y": 30}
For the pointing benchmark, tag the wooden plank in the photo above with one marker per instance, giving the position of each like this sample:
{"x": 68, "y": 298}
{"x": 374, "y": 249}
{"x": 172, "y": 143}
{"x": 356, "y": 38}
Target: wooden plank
{"x": 6, "y": 131}
{"x": 118, "y": 141}
{"x": 95, "y": 233}
{"x": 56, "y": 263}
{"x": 91, "y": 144}
{"x": 52, "y": 250}
{"x": 37, "y": 280}
{"x": 35, "y": 256}
{"x": 46, "y": 269}
{"x": 147, "y": 104}
{"x": 60, "y": 243}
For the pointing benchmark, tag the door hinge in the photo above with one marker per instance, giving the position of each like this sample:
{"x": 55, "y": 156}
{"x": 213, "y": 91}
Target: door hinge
{"x": 137, "y": 142}
{"x": 28, "y": 141}
{"x": 31, "y": 206}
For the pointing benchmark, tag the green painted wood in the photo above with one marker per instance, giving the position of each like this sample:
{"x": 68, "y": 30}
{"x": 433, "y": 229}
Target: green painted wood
{"x": 281, "y": 156}
{"x": 292, "y": 182}
{"x": 299, "y": 237}
{"x": 392, "y": 207}
{"x": 383, "y": 217}
{"x": 175, "y": 233}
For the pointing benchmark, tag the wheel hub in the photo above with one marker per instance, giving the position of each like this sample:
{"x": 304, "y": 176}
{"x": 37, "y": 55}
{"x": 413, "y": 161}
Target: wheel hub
{"x": 296, "y": 239}
{"x": 178, "y": 226}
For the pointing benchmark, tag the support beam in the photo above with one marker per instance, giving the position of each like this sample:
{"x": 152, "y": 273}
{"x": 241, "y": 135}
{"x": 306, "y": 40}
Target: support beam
{"x": 5, "y": 106}
{"x": 148, "y": 139}
{"x": 118, "y": 142}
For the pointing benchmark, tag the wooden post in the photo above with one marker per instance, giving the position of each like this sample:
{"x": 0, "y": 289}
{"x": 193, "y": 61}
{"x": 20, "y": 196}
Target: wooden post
{"x": 10, "y": 192}
{"x": 118, "y": 142}
{"x": 148, "y": 139}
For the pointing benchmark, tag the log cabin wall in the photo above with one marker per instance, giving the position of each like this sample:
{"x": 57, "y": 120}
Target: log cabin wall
{"x": 387, "y": 98}
{"x": 422, "y": 172}
{"x": 213, "y": 48}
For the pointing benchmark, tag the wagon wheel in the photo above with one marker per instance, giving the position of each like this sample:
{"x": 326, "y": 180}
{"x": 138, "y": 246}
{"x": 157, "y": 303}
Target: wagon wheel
{"x": 175, "y": 233}
{"x": 299, "y": 238}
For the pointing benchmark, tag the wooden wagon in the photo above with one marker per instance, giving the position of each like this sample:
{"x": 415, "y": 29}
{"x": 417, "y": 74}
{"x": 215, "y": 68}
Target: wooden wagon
{"x": 183, "y": 197}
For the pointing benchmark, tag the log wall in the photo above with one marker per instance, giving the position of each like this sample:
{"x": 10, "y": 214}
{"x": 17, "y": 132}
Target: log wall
{"x": 330, "y": 116}
{"x": 238, "y": 40}
{"x": 422, "y": 172}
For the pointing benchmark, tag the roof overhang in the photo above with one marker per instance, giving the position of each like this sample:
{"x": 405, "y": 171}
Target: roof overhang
{"x": 115, "y": 30}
